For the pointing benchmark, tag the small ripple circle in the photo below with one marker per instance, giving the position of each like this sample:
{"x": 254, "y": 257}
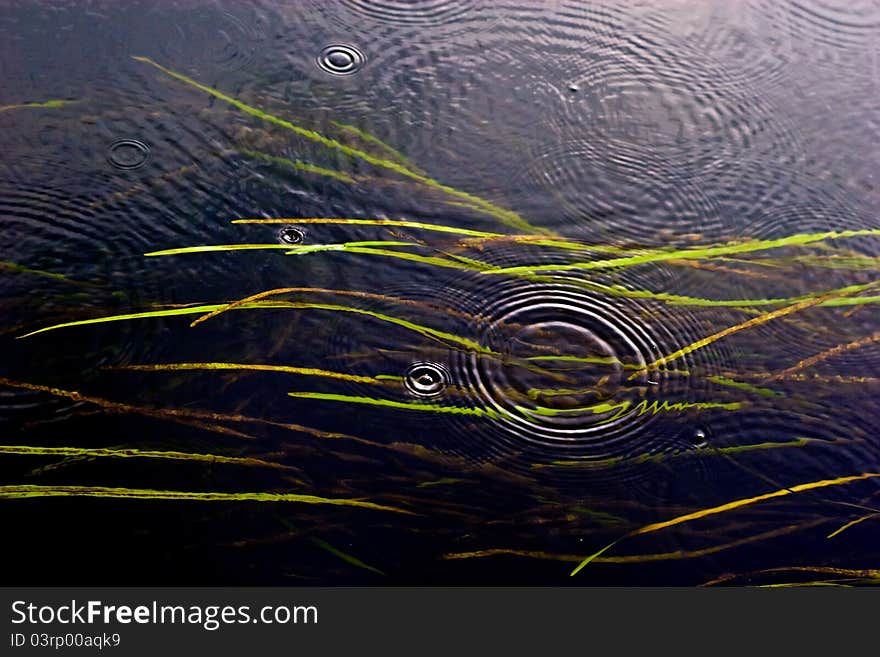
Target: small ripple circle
{"x": 341, "y": 59}
{"x": 424, "y": 379}
{"x": 128, "y": 154}
{"x": 291, "y": 235}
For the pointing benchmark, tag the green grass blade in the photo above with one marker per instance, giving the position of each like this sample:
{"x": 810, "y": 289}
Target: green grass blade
{"x": 746, "y": 387}
{"x": 15, "y": 268}
{"x": 354, "y": 561}
{"x": 426, "y": 331}
{"x": 375, "y": 141}
{"x": 296, "y": 165}
{"x": 257, "y": 367}
{"x": 50, "y": 104}
{"x": 507, "y": 216}
{"x": 78, "y": 452}
{"x": 756, "y": 321}
{"x": 216, "y": 248}
{"x": 730, "y": 506}
{"x": 699, "y": 253}
{"x": 389, "y": 403}
{"x": 32, "y": 491}
{"x": 402, "y": 223}
{"x": 170, "y": 312}
{"x": 852, "y": 523}
{"x": 664, "y": 456}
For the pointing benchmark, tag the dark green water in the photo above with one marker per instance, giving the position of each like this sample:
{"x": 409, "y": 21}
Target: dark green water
{"x": 513, "y": 405}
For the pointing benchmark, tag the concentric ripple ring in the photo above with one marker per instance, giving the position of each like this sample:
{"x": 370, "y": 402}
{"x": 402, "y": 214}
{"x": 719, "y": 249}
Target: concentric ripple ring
{"x": 565, "y": 371}
{"x": 341, "y": 59}
{"x": 128, "y": 154}
{"x": 425, "y": 379}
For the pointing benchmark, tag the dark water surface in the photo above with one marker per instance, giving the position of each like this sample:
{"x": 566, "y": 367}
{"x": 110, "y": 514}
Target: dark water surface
{"x": 624, "y": 289}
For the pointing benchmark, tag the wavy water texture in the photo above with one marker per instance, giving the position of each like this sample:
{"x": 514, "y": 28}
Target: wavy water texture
{"x": 444, "y": 290}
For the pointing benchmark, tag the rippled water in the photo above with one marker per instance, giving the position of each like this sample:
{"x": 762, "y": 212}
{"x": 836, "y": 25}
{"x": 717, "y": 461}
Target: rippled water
{"x": 519, "y": 280}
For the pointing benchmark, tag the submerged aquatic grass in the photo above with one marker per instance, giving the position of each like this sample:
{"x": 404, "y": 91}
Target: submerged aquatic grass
{"x": 33, "y": 491}
{"x": 15, "y": 268}
{"x": 675, "y": 555}
{"x": 395, "y": 468}
{"x": 699, "y": 253}
{"x": 620, "y": 408}
{"x": 665, "y": 456}
{"x": 729, "y": 506}
{"x": 757, "y": 321}
{"x": 372, "y": 140}
{"x": 259, "y": 367}
{"x": 47, "y": 104}
{"x": 506, "y": 216}
{"x": 296, "y": 165}
{"x": 135, "y": 453}
{"x": 427, "y": 331}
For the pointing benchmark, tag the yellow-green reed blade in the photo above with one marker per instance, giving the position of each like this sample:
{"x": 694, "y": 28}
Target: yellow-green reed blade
{"x": 814, "y": 584}
{"x": 50, "y": 104}
{"x": 852, "y": 523}
{"x": 169, "y": 312}
{"x": 825, "y": 379}
{"x": 855, "y": 263}
{"x": 389, "y": 403}
{"x": 254, "y": 299}
{"x": 298, "y": 166}
{"x": 636, "y": 558}
{"x": 258, "y": 367}
{"x": 698, "y": 253}
{"x": 475, "y": 238}
{"x": 656, "y": 458}
{"x": 31, "y": 491}
{"x": 187, "y": 416}
{"x": 371, "y": 139}
{"x": 309, "y": 248}
{"x": 734, "y": 271}
{"x": 364, "y": 248}
{"x": 586, "y": 360}
{"x": 729, "y": 506}
{"x": 480, "y": 238}
{"x": 90, "y": 452}
{"x": 16, "y": 268}
{"x": 358, "y": 294}
{"x": 440, "y": 228}
{"x": 444, "y": 481}
{"x": 680, "y": 300}
{"x": 746, "y": 387}
{"x": 822, "y": 570}
{"x": 507, "y": 216}
{"x": 472, "y": 265}
{"x": 825, "y": 355}
{"x": 468, "y": 264}
{"x": 421, "y": 329}
{"x": 348, "y": 558}
{"x": 756, "y": 321}
{"x": 427, "y": 331}
{"x": 642, "y": 408}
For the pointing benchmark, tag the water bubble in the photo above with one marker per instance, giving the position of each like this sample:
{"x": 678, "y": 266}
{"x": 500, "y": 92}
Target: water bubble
{"x": 699, "y": 439}
{"x": 425, "y": 379}
{"x": 291, "y": 235}
{"x": 128, "y": 154}
{"x": 341, "y": 59}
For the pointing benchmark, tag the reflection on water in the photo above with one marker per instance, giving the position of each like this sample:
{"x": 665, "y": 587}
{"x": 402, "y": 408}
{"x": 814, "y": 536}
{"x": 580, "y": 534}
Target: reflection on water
{"x": 441, "y": 291}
